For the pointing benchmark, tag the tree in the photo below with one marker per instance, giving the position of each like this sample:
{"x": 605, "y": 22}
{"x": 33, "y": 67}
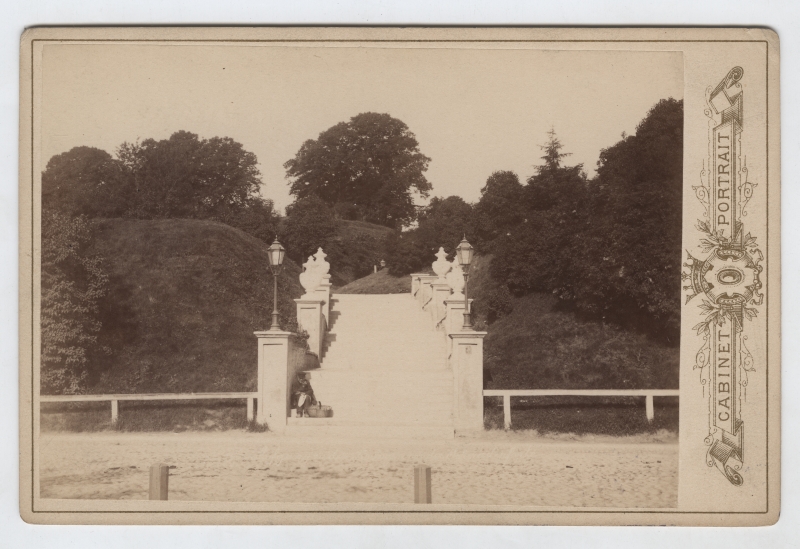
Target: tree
{"x": 73, "y": 283}
{"x": 609, "y": 247}
{"x": 84, "y": 181}
{"x": 372, "y": 163}
{"x": 309, "y": 224}
{"x": 185, "y": 176}
{"x": 630, "y": 262}
{"x": 534, "y": 254}
{"x": 444, "y": 222}
{"x": 500, "y": 207}
{"x": 554, "y": 185}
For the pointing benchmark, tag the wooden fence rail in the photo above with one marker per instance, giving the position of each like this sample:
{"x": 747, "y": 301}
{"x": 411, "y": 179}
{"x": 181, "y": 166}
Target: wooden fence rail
{"x": 647, "y": 393}
{"x": 114, "y": 399}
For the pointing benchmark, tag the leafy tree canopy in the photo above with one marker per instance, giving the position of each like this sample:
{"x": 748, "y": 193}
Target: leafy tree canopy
{"x": 555, "y": 185}
{"x": 370, "y": 166}
{"x": 609, "y": 247}
{"x": 444, "y": 222}
{"x": 84, "y": 181}
{"x": 500, "y": 207}
{"x": 309, "y": 224}
{"x": 180, "y": 177}
{"x": 185, "y": 176}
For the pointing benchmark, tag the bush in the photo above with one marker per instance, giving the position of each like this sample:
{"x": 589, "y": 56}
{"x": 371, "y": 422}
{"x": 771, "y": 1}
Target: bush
{"x": 73, "y": 283}
{"x": 498, "y": 303}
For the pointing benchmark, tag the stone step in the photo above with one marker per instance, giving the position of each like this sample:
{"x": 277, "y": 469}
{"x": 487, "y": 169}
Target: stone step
{"x": 382, "y": 364}
{"x": 399, "y": 399}
{"x": 433, "y": 387}
{"x": 411, "y": 369}
{"x": 384, "y": 372}
{"x": 329, "y": 427}
{"x": 428, "y": 418}
{"x": 388, "y": 347}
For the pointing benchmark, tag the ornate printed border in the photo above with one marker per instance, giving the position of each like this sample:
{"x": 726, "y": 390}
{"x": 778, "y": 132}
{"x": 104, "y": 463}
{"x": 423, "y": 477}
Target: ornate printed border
{"x": 728, "y": 278}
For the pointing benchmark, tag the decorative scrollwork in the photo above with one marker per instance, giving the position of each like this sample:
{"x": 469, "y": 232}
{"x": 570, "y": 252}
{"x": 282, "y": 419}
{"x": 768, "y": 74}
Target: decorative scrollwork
{"x": 733, "y": 476}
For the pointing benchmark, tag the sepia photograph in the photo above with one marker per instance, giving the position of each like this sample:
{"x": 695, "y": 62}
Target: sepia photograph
{"x": 396, "y": 276}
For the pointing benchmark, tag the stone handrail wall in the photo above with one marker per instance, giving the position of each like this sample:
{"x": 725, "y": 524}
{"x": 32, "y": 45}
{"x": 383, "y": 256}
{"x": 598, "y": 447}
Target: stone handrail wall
{"x": 464, "y": 347}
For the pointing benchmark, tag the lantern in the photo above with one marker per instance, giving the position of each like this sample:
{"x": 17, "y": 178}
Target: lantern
{"x": 276, "y": 253}
{"x": 464, "y": 253}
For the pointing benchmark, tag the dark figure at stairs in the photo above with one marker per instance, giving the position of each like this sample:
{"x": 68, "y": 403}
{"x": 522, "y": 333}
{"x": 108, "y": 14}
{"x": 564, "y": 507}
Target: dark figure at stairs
{"x": 302, "y": 394}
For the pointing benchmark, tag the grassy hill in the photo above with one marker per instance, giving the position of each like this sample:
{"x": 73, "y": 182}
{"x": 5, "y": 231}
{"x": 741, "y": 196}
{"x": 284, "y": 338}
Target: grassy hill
{"x": 359, "y": 246}
{"x": 378, "y": 283}
{"x": 185, "y": 297}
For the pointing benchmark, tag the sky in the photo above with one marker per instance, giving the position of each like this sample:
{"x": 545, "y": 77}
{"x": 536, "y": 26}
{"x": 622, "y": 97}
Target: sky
{"x": 473, "y": 111}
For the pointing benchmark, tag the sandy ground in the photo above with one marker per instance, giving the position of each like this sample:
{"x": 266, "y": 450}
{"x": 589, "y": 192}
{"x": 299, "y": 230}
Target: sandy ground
{"x": 495, "y": 468}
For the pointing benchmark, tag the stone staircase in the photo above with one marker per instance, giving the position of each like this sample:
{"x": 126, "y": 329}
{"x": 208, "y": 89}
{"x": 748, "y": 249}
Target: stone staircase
{"x": 383, "y": 371}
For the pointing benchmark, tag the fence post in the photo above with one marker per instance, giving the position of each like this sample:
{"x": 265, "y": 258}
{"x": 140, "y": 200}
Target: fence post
{"x": 250, "y": 409}
{"x": 114, "y": 412}
{"x": 648, "y": 408}
{"x": 422, "y": 484}
{"x": 507, "y": 412}
{"x": 159, "y": 481}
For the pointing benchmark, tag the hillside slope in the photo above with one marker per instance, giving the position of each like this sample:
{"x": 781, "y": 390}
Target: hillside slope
{"x": 358, "y": 247}
{"x": 536, "y": 344}
{"x": 185, "y": 297}
{"x": 377, "y": 283}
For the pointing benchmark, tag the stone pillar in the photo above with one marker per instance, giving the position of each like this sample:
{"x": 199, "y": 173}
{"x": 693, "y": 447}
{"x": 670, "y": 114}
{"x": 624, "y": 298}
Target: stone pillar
{"x": 467, "y": 363}
{"x": 415, "y": 284}
{"x": 454, "y": 321}
{"x": 311, "y": 319}
{"x": 440, "y": 291}
{"x": 273, "y": 379}
{"x": 323, "y": 293}
{"x": 425, "y": 290}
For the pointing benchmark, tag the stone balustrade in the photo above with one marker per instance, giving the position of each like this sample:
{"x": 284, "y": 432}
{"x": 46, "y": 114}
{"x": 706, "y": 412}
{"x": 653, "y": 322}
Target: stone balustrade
{"x": 442, "y": 296}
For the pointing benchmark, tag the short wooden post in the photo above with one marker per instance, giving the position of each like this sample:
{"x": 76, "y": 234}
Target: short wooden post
{"x": 507, "y": 412}
{"x": 159, "y": 481}
{"x": 114, "y": 412}
{"x": 250, "y": 409}
{"x": 648, "y": 408}
{"x": 422, "y": 484}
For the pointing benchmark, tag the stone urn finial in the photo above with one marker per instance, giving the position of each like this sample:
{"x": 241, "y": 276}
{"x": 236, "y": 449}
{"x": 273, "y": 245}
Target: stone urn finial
{"x": 441, "y": 266}
{"x": 455, "y": 278}
{"x": 311, "y": 276}
{"x": 322, "y": 265}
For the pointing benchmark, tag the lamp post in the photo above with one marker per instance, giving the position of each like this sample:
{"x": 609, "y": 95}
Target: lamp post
{"x": 275, "y": 253}
{"x": 464, "y": 254}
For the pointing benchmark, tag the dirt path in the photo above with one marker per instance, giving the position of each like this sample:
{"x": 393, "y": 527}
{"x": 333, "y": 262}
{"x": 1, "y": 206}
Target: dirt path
{"x": 238, "y": 466}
